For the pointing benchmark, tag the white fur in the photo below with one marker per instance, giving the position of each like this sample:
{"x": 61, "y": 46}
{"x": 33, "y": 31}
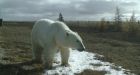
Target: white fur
{"x": 49, "y": 36}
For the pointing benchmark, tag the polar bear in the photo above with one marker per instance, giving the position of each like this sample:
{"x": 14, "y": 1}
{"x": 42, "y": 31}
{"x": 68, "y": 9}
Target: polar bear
{"x": 49, "y": 36}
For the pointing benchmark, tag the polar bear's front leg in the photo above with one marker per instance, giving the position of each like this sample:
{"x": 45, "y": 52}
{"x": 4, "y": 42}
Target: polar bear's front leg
{"x": 65, "y": 56}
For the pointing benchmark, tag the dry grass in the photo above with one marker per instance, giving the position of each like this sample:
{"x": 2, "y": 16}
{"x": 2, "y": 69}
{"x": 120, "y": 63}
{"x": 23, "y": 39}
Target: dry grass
{"x": 13, "y": 35}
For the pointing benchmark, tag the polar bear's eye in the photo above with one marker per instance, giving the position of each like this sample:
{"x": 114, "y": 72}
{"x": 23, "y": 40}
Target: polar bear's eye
{"x": 77, "y": 40}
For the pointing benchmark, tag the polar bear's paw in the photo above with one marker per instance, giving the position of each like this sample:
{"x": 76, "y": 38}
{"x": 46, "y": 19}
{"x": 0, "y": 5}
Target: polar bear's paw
{"x": 48, "y": 65}
{"x": 65, "y": 64}
{"x": 57, "y": 62}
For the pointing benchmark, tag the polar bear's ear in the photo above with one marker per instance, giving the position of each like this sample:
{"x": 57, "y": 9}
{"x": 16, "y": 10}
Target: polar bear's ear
{"x": 67, "y": 33}
{"x": 76, "y": 32}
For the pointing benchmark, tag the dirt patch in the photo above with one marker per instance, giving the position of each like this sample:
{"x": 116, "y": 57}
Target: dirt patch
{"x": 91, "y": 72}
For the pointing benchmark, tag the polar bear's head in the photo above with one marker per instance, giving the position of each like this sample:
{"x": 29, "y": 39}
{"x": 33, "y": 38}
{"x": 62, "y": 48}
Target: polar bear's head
{"x": 73, "y": 40}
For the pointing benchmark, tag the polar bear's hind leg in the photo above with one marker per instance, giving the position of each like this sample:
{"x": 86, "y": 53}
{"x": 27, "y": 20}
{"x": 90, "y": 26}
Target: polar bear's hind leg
{"x": 37, "y": 54}
{"x": 48, "y": 56}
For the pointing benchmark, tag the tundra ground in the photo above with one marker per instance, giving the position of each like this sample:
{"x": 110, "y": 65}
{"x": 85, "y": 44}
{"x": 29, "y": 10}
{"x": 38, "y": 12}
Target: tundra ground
{"x": 115, "y": 46}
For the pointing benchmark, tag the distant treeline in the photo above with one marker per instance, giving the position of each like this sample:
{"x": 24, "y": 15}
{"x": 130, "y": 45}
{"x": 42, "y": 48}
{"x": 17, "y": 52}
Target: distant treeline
{"x": 0, "y": 22}
{"x": 91, "y": 26}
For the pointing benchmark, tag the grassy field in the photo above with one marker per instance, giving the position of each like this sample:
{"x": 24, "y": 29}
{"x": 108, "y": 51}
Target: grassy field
{"x": 117, "y": 47}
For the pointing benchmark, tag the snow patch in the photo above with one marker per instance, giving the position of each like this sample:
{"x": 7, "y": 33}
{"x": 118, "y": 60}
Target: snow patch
{"x": 79, "y": 61}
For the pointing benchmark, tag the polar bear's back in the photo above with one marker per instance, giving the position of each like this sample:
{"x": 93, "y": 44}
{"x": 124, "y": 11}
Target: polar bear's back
{"x": 43, "y": 23}
{"x": 41, "y": 30}
{"x": 46, "y": 24}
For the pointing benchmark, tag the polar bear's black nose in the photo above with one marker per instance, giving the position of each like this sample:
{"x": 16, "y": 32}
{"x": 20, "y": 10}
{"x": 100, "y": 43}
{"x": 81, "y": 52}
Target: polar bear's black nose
{"x": 81, "y": 49}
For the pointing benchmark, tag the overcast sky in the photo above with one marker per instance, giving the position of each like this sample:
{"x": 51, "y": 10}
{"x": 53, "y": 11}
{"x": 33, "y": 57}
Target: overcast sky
{"x": 71, "y": 9}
